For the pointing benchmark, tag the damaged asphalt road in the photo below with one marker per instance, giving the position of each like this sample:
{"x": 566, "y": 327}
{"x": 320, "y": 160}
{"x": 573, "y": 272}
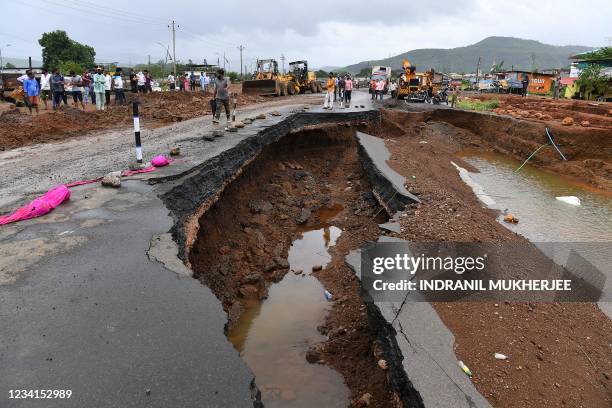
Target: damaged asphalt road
{"x": 89, "y": 305}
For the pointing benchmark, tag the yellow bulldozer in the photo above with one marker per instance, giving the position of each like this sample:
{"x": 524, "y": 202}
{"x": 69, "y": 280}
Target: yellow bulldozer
{"x": 267, "y": 81}
{"x": 299, "y": 79}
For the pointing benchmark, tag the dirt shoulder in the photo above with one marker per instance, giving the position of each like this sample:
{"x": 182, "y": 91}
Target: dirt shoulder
{"x": 559, "y": 353}
{"x": 18, "y": 128}
{"x": 536, "y": 108}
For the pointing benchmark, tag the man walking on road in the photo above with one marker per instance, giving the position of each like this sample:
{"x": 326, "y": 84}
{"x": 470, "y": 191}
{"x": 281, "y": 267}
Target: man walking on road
{"x": 99, "y": 82}
{"x": 330, "y": 95}
{"x": 221, "y": 95}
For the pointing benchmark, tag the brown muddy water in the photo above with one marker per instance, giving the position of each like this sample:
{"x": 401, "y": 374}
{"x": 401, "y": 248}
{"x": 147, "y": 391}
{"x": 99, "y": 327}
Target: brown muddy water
{"x": 274, "y": 335}
{"x": 530, "y": 195}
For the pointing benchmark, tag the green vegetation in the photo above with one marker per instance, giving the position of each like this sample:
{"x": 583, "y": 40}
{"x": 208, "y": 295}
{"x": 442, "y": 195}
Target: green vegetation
{"x": 59, "y": 49}
{"x": 594, "y": 82}
{"x": 67, "y": 66}
{"x": 9, "y": 65}
{"x": 598, "y": 55}
{"x": 476, "y": 105}
{"x": 515, "y": 52}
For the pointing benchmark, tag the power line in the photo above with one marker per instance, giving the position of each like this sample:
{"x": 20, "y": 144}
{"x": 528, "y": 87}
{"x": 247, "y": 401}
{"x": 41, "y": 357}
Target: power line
{"x": 100, "y": 13}
{"x": 123, "y": 12}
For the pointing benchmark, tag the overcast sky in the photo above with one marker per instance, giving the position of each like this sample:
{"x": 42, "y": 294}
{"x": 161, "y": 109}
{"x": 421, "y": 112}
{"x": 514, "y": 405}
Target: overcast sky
{"x": 327, "y": 33}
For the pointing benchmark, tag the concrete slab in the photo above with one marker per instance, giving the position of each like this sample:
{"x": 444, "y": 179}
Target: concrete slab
{"x": 426, "y": 346}
{"x": 388, "y": 184}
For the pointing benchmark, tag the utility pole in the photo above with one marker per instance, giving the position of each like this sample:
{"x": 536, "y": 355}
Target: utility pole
{"x": 149, "y": 62}
{"x": 283, "y": 61}
{"x": 478, "y": 68}
{"x": 224, "y": 60}
{"x": 241, "y": 48}
{"x": 174, "y": 50}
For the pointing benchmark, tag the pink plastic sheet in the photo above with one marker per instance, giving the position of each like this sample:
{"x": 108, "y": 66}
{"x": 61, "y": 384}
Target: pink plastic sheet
{"x": 57, "y": 195}
{"x": 39, "y": 206}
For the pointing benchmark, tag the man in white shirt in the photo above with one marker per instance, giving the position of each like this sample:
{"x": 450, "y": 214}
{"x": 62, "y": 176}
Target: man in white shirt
{"x": 45, "y": 87}
{"x": 205, "y": 80}
{"x": 141, "y": 82}
{"x": 171, "y": 82}
{"x": 118, "y": 87}
{"x": 107, "y": 87}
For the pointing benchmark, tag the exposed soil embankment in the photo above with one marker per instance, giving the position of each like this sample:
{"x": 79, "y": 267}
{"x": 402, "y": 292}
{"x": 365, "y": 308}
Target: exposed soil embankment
{"x": 582, "y": 113}
{"x": 588, "y": 150}
{"x": 559, "y": 353}
{"x": 244, "y": 237}
{"x": 18, "y": 128}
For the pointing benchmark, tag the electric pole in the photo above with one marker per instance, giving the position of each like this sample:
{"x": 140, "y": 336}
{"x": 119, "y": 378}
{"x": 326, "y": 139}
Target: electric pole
{"x": 224, "y": 60}
{"x": 283, "y": 61}
{"x": 241, "y": 47}
{"x": 478, "y": 68}
{"x": 174, "y": 50}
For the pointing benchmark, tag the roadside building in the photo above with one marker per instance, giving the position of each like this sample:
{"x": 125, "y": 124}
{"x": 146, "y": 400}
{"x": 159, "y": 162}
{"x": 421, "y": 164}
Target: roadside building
{"x": 539, "y": 83}
{"x": 581, "y": 61}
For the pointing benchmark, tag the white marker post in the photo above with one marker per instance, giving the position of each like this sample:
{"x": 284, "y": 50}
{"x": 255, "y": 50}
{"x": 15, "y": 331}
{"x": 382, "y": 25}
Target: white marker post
{"x": 235, "y": 100}
{"x": 137, "y": 133}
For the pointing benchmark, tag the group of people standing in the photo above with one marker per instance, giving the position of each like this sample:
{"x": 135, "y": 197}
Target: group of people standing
{"x": 189, "y": 82}
{"x": 338, "y": 87}
{"x": 81, "y": 88}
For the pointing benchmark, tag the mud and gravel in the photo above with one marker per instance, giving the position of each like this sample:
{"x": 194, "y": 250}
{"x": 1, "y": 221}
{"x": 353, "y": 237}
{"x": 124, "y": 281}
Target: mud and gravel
{"x": 18, "y": 128}
{"x": 588, "y": 149}
{"x": 559, "y": 353}
{"x": 244, "y": 238}
{"x": 582, "y": 113}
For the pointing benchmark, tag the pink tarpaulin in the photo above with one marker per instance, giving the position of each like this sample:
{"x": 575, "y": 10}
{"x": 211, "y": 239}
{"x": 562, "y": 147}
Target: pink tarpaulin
{"x": 57, "y": 195}
{"x": 40, "y": 206}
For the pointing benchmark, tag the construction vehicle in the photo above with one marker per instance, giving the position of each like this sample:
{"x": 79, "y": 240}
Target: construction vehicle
{"x": 418, "y": 86}
{"x": 266, "y": 80}
{"x": 299, "y": 79}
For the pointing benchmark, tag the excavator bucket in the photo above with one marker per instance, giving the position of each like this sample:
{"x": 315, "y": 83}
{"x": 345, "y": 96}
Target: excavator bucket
{"x": 264, "y": 87}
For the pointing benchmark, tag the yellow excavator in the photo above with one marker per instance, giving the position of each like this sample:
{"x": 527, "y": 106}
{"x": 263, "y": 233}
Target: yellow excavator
{"x": 267, "y": 81}
{"x": 418, "y": 86}
{"x": 300, "y": 80}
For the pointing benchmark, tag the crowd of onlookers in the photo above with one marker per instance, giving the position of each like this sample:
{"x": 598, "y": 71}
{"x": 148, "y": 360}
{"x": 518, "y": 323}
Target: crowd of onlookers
{"x": 89, "y": 87}
{"x": 95, "y": 87}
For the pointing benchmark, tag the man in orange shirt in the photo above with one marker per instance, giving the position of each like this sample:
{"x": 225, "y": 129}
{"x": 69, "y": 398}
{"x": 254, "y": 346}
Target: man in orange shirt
{"x": 329, "y": 96}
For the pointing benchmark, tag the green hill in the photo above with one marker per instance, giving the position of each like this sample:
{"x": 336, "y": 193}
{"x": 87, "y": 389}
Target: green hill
{"x": 510, "y": 50}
